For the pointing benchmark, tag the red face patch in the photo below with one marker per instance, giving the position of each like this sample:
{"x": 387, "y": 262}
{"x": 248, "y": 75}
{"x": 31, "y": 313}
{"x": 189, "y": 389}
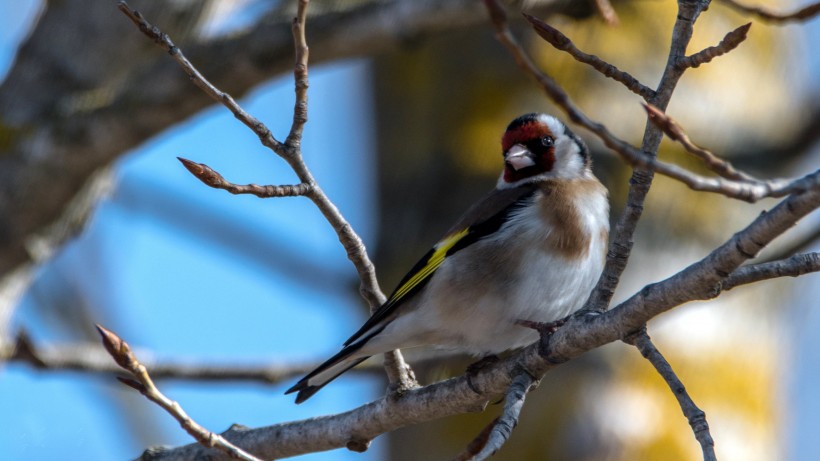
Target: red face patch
{"x": 530, "y": 133}
{"x": 524, "y": 134}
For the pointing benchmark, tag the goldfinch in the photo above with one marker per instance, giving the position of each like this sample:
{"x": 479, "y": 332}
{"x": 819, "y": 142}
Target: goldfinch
{"x": 531, "y": 250}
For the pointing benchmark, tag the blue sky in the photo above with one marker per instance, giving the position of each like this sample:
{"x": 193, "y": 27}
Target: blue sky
{"x": 190, "y": 272}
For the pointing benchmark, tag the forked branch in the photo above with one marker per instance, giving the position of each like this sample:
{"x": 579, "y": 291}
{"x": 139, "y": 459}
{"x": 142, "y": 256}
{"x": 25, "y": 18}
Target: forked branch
{"x": 398, "y": 372}
{"x": 578, "y": 335}
{"x": 120, "y": 351}
{"x": 731, "y": 41}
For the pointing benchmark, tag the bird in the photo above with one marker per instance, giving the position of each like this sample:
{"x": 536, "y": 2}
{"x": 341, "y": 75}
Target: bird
{"x": 529, "y": 252}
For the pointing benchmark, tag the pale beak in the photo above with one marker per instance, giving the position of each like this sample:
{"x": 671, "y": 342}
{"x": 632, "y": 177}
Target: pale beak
{"x": 519, "y": 157}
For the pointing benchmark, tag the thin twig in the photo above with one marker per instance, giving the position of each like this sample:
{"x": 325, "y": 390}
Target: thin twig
{"x": 607, "y": 12}
{"x": 621, "y": 238}
{"x": 731, "y": 41}
{"x": 397, "y": 370}
{"x": 803, "y": 14}
{"x": 561, "y": 42}
{"x": 676, "y": 133}
{"x": 164, "y": 41}
{"x": 693, "y": 414}
{"x": 644, "y": 158}
{"x": 300, "y": 76}
{"x": 213, "y": 179}
{"x": 290, "y": 152}
{"x": 121, "y": 352}
{"x": 795, "y": 266}
{"x": 477, "y": 443}
{"x": 621, "y": 241}
{"x": 90, "y": 357}
{"x": 739, "y": 185}
{"x": 504, "y": 424}
{"x": 800, "y": 245}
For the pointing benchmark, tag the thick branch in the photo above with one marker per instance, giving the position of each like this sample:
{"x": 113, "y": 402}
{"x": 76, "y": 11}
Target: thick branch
{"x": 42, "y": 246}
{"x": 579, "y": 335}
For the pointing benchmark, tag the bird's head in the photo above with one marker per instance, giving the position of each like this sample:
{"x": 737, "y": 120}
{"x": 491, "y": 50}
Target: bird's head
{"x": 538, "y": 147}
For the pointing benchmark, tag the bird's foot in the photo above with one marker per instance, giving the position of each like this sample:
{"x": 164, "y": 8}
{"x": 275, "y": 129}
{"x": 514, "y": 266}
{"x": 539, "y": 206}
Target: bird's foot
{"x": 585, "y": 313}
{"x": 545, "y": 331}
{"x": 474, "y": 368}
{"x": 406, "y": 381}
{"x": 543, "y": 328}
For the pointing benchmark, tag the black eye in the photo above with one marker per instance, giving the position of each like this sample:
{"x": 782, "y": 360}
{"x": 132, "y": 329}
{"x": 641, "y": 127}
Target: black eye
{"x": 547, "y": 141}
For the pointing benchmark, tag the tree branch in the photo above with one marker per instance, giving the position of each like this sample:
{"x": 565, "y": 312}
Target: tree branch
{"x": 803, "y": 14}
{"x": 561, "y": 42}
{"x": 43, "y": 245}
{"x": 477, "y": 443}
{"x": 731, "y": 41}
{"x": 51, "y": 146}
{"x": 607, "y": 12}
{"x": 504, "y": 424}
{"x": 621, "y": 240}
{"x": 122, "y": 354}
{"x": 398, "y": 372}
{"x": 644, "y": 159}
{"x": 213, "y": 179}
{"x": 740, "y": 185}
{"x": 164, "y": 41}
{"x": 578, "y": 335}
{"x": 693, "y": 414}
{"x": 300, "y": 76}
{"x": 795, "y": 266}
{"x": 676, "y": 133}
{"x": 92, "y": 358}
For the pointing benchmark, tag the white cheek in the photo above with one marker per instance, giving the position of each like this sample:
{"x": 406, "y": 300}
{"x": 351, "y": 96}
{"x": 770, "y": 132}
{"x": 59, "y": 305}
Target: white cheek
{"x": 568, "y": 161}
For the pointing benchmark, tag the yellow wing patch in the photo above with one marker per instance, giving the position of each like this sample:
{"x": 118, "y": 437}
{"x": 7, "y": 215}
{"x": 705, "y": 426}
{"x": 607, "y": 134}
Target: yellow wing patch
{"x": 432, "y": 264}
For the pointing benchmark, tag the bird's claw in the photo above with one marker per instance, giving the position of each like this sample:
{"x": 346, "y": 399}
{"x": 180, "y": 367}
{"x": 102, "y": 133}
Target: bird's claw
{"x": 543, "y": 328}
{"x": 474, "y": 368}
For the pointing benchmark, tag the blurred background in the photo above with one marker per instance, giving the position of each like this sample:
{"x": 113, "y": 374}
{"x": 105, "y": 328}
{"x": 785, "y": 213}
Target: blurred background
{"x": 408, "y": 101}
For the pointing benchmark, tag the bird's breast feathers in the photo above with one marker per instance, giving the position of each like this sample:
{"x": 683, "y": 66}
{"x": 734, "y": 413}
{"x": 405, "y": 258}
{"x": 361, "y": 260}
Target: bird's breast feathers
{"x": 539, "y": 265}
